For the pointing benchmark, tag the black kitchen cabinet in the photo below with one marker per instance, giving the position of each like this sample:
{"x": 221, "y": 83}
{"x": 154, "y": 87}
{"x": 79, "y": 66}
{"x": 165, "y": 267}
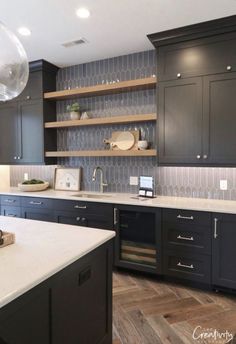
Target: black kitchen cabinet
{"x": 180, "y": 121}
{"x": 219, "y": 109}
{"x": 22, "y": 136}
{"x": 138, "y": 238}
{"x": 208, "y": 55}
{"x": 223, "y": 251}
{"x": 187, "y": 245}
{"x": 38, "y": 214}
{"x": 8, "y": 132}
{"x": 196, "y": 94}
{"x": 72, "y": 306}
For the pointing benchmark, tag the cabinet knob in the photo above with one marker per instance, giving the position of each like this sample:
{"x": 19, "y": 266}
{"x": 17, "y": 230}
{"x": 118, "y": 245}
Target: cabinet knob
{"x": 205, "y": 156}
{"x": 198, "y": 156}
{"x": 18, "y": 158}
{"x": 28, "y": 97}
{"x": 15, "y": 157}
{"x": 179, "y": 75}
{"x": 78, "y": 218}
{"x": 229, "y": 68}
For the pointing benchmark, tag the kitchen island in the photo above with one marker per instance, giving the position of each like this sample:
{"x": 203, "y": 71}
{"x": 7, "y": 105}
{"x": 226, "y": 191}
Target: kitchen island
{"x": 56, "y": 284}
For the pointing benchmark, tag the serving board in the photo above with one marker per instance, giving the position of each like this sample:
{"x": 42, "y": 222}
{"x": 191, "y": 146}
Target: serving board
{"x": 123, "y": 140}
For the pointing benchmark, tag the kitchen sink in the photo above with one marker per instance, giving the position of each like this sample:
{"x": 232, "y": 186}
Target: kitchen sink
{"x": 90, "y": 195}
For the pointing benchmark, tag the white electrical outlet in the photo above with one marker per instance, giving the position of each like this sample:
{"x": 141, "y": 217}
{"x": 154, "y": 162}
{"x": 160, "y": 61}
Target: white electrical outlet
{"x": 26, "y": 176}
{"x": 223, "y": 184}
{"x": 133, "y": 180}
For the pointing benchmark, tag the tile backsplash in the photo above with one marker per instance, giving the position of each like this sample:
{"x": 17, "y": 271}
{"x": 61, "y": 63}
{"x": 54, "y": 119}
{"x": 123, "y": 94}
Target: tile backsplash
{"x": 173, "y": 181}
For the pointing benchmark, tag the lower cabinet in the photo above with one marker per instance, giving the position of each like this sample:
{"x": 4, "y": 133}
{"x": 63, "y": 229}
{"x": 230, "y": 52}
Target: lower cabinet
{"x": 38, "y": 214}
{"x": 224, "y": 251}
{"x": 187, "y": 245}
{"x": 73, "y": 306}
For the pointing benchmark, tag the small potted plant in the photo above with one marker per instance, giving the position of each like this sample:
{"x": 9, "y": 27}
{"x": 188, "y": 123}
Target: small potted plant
{"x": 74, "y": 111}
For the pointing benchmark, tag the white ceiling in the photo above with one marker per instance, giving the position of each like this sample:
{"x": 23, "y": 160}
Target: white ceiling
{"x": 116, "y": 27}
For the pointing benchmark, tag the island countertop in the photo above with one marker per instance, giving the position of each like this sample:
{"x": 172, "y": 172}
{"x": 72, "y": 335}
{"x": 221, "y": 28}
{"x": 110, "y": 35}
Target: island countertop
{"x": 41, "y": 250}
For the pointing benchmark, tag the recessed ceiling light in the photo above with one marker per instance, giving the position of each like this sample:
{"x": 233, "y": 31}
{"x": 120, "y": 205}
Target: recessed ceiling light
{"x": 24, "y": 31}
{"x": 83, "y": 12}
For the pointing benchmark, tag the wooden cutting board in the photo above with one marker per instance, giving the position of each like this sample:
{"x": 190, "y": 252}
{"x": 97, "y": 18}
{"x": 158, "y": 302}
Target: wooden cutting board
{"x": 124, "y": 140}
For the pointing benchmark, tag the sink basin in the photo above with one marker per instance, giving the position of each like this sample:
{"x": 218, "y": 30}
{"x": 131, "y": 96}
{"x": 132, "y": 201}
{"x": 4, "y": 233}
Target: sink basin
{"x": 90, "y": 195}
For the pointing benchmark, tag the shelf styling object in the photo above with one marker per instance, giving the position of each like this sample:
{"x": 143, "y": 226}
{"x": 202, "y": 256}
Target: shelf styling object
{"x": 67, "y": 179}
{"x": 6, "y": 238}
{"x": 33, "y": 185}
{"x": 74, "y": 111}
{"x": 123, "y": 140}
{"x": 142, "y": 144}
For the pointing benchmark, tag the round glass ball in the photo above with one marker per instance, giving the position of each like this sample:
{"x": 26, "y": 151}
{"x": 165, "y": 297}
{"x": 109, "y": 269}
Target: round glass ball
{"x": 14, "y": 67}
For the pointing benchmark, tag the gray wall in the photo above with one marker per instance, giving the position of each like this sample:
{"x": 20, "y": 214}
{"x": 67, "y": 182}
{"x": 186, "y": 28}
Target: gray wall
{"x": 181, "y": 181}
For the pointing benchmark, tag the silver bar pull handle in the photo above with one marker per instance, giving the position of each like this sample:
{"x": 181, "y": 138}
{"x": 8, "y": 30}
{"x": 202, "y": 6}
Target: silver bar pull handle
{"x": 10, "y": 215}
{"x": 35, "y": 203}
{"x": 115, "y": 216}
{"x": 9, "y": 200}
{"x": 215, "y": 228}
{"x": 80, "y": 207}
{"x": 185, "y": 266}
{"x": 180, "y": 237}
{"x": 185, "y": 217}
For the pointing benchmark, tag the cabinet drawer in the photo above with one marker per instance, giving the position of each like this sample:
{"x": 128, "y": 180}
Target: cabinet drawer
{"x": 198, "y": 57}
{"x": 37, "y": 202}
{"x": 11, "y": 211}
{"x": 193, "y": 267}
{"x": 187, "y": 237}
{"x": 187, "y": 216}
{"x": 10, "y": 201}
{"x": 81, "y": 207}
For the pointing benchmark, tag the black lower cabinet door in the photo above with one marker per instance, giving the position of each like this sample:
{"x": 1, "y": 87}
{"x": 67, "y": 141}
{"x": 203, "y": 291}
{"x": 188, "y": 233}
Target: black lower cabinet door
{"x": 38, "y": 214}
{"x": 180, "y": 121}
{"x": 224, "y": 251}
{"x": 219, "y": 140}
{"x": 8, "y": 133}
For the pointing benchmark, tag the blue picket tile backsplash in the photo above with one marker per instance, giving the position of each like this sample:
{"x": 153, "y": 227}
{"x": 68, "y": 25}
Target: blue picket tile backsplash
{"x": 173, "y": 181}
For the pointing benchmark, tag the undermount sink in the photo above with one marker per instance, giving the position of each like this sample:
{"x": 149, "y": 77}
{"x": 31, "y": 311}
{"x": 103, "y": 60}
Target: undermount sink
{"x": 90, "y": 195}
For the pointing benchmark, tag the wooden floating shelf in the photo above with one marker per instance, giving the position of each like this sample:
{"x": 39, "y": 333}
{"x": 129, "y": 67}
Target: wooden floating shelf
{"x": 102, "y": 89}
{"x": 102, "y": 153}
{"x": 100, "y": 121}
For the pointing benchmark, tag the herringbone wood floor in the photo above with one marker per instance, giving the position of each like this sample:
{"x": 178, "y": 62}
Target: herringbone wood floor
{"x": 148, "y": 311}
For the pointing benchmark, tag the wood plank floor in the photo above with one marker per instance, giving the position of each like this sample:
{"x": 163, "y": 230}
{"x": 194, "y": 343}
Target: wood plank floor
{"x": 149, "y": 311}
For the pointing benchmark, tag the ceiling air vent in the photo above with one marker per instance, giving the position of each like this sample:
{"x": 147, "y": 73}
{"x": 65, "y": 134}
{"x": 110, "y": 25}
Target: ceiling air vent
{"x": 74, "y": 43}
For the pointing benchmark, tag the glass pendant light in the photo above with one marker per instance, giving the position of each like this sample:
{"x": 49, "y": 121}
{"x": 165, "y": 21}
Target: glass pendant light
{"x": 14, "y": 67}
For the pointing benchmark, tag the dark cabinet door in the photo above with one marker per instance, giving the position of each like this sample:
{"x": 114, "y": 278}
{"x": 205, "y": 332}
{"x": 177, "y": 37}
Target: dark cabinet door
{"x": 38, "y": 214}
{"x": 220, "y": 119}
{"x": 8, "y": 133}
{"x": 223, "y": 251}
{"x": 180, "y": 121}
{"x": 31, "y": 148}
{"x": 34, "y": 87}
{"x": 204, "y": 56}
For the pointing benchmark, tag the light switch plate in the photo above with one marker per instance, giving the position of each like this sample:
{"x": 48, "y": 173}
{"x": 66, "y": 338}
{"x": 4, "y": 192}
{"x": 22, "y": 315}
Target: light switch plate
{"x": 133, "y": 180}
{"x": 223, "y": 184}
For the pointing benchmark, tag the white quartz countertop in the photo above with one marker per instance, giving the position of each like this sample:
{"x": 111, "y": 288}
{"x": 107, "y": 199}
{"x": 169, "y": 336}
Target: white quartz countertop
{"x": 200, "y": 204}
{"x": 41, "y": 250}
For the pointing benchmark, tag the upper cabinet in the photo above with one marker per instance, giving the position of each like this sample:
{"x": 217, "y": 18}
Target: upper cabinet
{"x": 197, "y": 57}
{"x": 22, "y": 136}
{"x": 196, "y": 94}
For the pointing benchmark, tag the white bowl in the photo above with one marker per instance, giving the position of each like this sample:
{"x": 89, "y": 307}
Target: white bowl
{"x": 142, "y": 144}
{"x": 33, "y": 187}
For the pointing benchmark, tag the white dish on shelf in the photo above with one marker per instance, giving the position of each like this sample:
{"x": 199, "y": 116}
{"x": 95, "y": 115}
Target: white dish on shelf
{"x": 33, "y": 187}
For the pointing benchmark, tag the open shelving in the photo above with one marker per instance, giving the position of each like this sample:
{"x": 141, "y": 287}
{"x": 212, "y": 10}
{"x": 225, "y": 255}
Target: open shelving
{"x": 100, "y": 153}
{"x": 102, "y": 89}
{"x": 102, "y": 120}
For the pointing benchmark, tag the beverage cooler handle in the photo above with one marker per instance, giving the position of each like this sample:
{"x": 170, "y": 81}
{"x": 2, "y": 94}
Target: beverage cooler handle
{"x": 115, "y": 216}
